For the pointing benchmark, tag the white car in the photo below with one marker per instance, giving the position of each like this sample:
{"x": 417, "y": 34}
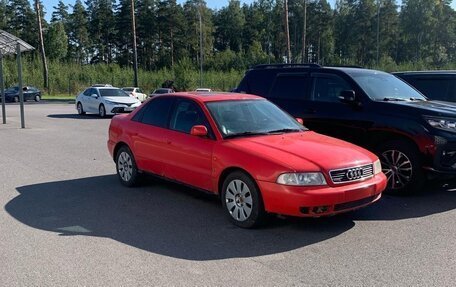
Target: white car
{"x": 203, "y": 90}
{"x": 136, "y": 93}
{"x": 105, "y": 101}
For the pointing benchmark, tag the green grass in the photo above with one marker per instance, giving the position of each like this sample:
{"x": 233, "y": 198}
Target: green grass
{"x": 58, "y": 97}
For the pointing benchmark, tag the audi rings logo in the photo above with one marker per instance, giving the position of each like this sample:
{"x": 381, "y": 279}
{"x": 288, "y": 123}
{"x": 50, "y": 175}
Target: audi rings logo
{"x": 354, "y": 173}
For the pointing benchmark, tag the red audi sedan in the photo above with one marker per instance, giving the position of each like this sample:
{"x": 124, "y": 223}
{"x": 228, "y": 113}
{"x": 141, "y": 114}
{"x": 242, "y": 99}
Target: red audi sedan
{"x": 258, "y": 158}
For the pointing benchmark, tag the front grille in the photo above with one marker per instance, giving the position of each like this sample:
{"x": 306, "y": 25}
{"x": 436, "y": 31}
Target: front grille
{"x": 351, "y": 174}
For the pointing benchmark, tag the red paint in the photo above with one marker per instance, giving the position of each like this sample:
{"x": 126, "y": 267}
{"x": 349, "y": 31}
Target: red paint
{"x": 200, "y": 161}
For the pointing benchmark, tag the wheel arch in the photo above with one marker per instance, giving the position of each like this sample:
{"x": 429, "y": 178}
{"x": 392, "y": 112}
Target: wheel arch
{"x": 376, "y": 138}
{"x": 117, "y": 148}
{"x": 227, "y": 171}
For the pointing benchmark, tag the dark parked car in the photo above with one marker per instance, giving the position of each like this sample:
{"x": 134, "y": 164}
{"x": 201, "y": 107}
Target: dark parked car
{"x": 410, "y": 134}
{"x": 29, "y": 92}
{"x": 436, "y": 85}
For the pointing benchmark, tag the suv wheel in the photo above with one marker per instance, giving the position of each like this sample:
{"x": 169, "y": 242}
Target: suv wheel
{"x": 401, "y": 164}
{"x": 241, "y": 200}
{"x": 37, "y": 98}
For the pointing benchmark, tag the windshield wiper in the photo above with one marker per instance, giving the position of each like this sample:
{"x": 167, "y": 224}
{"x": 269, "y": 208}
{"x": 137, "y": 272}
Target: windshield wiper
{"x": 417, "y": 99}
{"x": 283, "y": 131}
{"x": 393, "y": 99}
{"x": 245, "y": 134}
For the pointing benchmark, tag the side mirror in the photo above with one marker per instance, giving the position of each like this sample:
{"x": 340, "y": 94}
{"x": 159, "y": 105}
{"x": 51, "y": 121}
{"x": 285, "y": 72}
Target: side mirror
{"x": 94, "y": 96}
{"x": 347, "y": 96}
{"x": 199, "y": 131}
{"x": 299, "y": 120}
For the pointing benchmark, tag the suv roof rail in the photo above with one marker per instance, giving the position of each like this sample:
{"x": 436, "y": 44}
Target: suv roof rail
{"x": 269, "y": 66}
{"x": 346, "y": 66}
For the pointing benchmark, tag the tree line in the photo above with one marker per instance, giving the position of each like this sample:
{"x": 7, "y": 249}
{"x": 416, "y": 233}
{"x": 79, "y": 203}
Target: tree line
{"x": 372, "y": 33}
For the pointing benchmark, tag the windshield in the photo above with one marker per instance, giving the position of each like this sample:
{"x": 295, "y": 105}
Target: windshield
{"x": 251, "y": 117}
{"x": 112, "y": 93}
{"x": 382, "y": 86}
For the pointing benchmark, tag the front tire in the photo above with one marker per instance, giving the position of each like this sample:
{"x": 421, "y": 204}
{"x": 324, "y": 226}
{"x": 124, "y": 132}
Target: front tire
{"x": 80, "y": 109}
{"x": 102, "y": 111}
{"x": 127, "y": 170}
{"x": 16, "y": 99}
{"x": 401, "y": 163}
{"x": 242, "y": 201}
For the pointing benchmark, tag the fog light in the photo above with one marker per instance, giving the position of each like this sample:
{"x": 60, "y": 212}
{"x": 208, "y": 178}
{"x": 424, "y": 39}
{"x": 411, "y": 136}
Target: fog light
{"x": 320, "y": 209}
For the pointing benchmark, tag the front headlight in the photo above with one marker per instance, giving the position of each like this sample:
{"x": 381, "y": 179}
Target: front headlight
{"x": 111, "y": 103}
{"x": 377, "y": 167}
{"x": 305, "y": 178}
{"x": 447, "y": 124}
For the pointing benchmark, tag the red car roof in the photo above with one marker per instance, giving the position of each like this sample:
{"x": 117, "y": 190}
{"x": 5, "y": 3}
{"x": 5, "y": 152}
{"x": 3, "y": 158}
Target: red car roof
{"x": 216, "y": 96}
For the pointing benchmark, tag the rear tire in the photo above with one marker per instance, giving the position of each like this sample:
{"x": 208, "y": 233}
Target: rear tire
{"x": 402, "y": 165}
{"x": 16, "y": 99}
{"x": 37, "y": 98}
{"x": 127, "y": 170}
{"x": 242, "y": 201}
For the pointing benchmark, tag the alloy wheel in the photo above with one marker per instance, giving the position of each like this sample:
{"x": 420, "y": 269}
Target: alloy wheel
{"x": 238, "y": 200}
{"x": 125, "y": 166}
{"x": 397, "y": 167}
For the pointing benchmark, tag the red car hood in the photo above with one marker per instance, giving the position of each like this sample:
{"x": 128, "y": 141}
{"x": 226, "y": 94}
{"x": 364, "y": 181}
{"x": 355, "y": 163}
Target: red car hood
{"x": 306, "y": 151}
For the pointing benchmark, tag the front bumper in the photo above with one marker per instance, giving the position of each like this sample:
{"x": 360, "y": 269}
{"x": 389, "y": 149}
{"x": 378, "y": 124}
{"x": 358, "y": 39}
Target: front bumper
{"x": 320, "y": 201}
{"x": 441, "y": 156}
{"x": 112, "y": 109}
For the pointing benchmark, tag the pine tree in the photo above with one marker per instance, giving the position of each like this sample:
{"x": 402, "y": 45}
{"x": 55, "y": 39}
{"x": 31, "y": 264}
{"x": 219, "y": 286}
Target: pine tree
{"x": 22, "y": 21}
{"x": 56, "y": 41}
{"x": 78, "y": 34}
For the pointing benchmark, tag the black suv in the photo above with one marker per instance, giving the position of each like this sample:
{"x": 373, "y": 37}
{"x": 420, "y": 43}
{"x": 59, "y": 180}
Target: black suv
{"x": 410, "y": 134}
{"x": 436, "y": 85}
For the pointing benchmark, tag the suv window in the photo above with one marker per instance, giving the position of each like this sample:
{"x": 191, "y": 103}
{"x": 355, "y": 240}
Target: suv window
{"x": 289, "y": 87}
{"x": 87, "y": 92}
{"x": 187, "y": 114}
{"x": 156, "y": 113}
{"x": 258, "y": 82}
{"x": 434, "y": 88}
{"x": 327, "y": 88}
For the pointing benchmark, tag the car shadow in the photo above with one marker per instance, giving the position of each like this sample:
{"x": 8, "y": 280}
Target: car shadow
{"x": 160, "y": 217}
{"x": 437, "y": 196}
{"x": 77, "y": 116}
{"x": 180, "y": 222}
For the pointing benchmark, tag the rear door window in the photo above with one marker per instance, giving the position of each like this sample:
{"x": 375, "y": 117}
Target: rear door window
{"x": 156, "y": 113}
{"x": 290, "y": 86}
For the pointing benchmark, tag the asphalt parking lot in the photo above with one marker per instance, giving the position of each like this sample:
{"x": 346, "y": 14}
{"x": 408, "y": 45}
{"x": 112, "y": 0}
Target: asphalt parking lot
{"x": 66, "y": 220}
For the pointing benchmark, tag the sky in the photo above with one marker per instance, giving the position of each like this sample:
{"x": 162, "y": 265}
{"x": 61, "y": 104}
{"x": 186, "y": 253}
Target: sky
{"x": 214, "y": 4}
